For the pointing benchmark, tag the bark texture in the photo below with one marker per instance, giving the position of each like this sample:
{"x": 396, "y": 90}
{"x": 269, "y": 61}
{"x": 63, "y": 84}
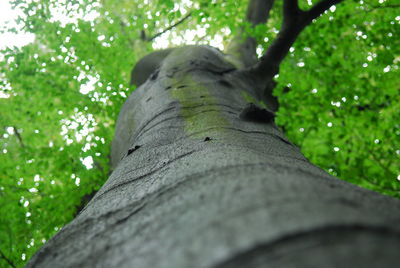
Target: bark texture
{"x": 204, "y": 179}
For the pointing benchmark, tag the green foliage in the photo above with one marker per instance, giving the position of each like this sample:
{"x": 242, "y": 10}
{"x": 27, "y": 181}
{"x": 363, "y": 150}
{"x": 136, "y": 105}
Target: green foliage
{"x": 343, "y": 99}
{"x": 65, "y": 89}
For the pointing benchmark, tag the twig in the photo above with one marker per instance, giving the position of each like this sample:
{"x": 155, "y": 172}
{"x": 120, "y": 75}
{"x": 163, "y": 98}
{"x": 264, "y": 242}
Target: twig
{"x": 242, "y": 48}
{"x": 18, "y": 136}
{"x": 170, "y": 27}
{"x": 7, "y": 259}
{"x": 372, "y": 8}
{"x": 258, "y": 11}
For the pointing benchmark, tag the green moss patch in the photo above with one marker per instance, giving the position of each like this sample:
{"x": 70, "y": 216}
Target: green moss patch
{"x": 199, "y": 108}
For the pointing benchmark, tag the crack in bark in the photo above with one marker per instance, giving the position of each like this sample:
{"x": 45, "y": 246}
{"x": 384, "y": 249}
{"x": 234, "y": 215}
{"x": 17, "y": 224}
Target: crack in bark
{"x": 176, "y": 117}
{"x": 124, "y": 219}
{"x": 231, "y": 128}
{"x": 131, "y": 180}
{"x": 154, "y": 196}
{"x": 246, "y": 255}
{"x": 142, "y": 131}
{"x": 153, "y": 118}
{"x": 211, "y": 104}
{"x": 244, "y": 131}
{"x": 74, "y": 229}
{"x": 203, "y": 173}
{"x": 199, "y": 175}
{"x": 170, "y": 75}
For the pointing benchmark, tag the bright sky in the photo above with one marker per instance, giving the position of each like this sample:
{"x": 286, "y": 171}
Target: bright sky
{"x": 7, "y": 17}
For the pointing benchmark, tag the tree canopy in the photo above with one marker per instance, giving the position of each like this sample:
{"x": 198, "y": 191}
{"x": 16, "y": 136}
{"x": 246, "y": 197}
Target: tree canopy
{"x": 60, "y": 95}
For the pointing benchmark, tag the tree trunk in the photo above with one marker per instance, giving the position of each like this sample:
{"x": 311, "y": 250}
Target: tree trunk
{"x": 202, "y": 178}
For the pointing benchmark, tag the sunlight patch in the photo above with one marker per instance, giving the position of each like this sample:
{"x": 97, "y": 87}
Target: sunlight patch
{"x": 87, "y": 162}
{"x": 89, "y": 85}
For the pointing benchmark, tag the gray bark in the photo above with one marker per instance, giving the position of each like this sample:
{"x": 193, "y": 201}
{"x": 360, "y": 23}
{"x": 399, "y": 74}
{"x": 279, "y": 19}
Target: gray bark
{"x": 202, "y": 180}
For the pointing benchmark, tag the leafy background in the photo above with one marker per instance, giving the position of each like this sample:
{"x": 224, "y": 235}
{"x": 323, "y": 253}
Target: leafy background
{"x": 61, "y": 93}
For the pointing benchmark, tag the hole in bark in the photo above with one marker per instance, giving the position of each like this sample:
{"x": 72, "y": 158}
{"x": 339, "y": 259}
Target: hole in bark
{"x": 182, "y": 86}
{"x": 167, "y": 88}
{"x": 202, "y": 97}
{"x": 225, "y": 83}
{"x": 154, "y": 75}
{"x": 256, "y": 114}
{"x": 148, "y": 99}
{"x": 207, "y": 139}
{"x": 131, "y": 150}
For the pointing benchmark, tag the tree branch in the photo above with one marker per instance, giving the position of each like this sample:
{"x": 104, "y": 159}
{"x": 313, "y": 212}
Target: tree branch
{"x": 258, "y": 11}
{"x": 318, "y": 9}
{"x": 170, "y": 27}
{"x": 294, "y": 21}
{"x": 290, "y": 9}
{"x": 18, "y": 136}
{"x": 242, "y": 49}
{"x": 7, "y": 259}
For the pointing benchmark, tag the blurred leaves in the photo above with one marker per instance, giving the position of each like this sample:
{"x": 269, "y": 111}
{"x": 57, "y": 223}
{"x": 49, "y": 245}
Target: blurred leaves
{"x": 347, "y": 119}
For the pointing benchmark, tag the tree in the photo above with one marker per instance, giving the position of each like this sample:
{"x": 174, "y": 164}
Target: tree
{"x": 217, "y": 110}
{"x": 203, "y": 177}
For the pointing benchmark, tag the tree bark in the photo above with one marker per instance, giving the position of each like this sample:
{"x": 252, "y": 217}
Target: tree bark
{"x": 203, "y": 178}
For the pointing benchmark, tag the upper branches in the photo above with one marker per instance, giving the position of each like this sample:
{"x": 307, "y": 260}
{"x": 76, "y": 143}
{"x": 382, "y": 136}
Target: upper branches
{"x": 168, "y": 28}
{"x": 244, "y": 49}
{"x": 294, "y": 21}
{"x": 258, "y": 11}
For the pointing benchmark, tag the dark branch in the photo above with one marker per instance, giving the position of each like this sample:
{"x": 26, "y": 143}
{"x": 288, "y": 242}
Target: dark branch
{"x": 258, "y": 11}
{"x": 244, "y": 49}
{"x": 18, "y": 136}
{"x": 170, "y": 27}
{"x": 319, "y": 8}
{"x": 290, "y": 9}
{"x": 294, "y": 21}
{"x": 7, "y": 259}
